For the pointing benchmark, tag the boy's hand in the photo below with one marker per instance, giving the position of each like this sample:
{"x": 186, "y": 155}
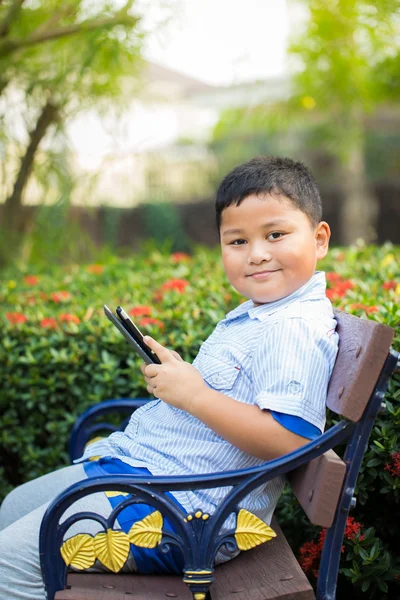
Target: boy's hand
{"x": 175, "y": 381}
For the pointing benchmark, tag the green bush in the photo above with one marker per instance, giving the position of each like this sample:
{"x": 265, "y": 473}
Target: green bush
{"x": 59, "y": 355}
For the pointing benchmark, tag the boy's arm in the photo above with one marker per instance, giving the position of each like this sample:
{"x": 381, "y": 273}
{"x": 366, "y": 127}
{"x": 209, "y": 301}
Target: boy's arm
{"x": 247, "y": 427}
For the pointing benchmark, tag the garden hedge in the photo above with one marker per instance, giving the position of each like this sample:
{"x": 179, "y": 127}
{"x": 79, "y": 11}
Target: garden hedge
{"x": 59, "y": 355}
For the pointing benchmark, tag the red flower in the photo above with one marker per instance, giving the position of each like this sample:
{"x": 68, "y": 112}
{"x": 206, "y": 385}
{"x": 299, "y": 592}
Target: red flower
{"x": 178, "y": 285}
{"x": 48, "y": 323}
{"x": 330, "y": 294}
{"x": 175, "y": 284}
{"x": 367, "y": 309}
{"x": 389, "y": 285}
{"x": 310, "y": 552}
{"x": 372, "y": 309}
{"x": 68, "y": 318}
{"x": 16, "y": 317}
{"x": 340, "y": 286}
{"x": 95, "y": 269}
{"x": 309, "y": 557}
{"x": 31, "y": 279}
{"x": 178, "y": 257}
{"x": 150, "y": 321}
{"x": 343, "y": 286}
{"x": 141, "y": 310}
{"x": 394, "y": 468}
{"x": 31, "y": 300}
{"x": 62, "y": 296}
{"x": 333, "y": 277}
{"x": 352, "y": 529}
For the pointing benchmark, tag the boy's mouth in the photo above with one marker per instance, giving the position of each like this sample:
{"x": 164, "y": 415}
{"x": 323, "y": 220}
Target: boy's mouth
{"x": 262, "y": 274}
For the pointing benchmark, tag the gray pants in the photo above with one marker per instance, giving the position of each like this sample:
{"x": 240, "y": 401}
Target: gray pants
{"x": 21, "y": 515}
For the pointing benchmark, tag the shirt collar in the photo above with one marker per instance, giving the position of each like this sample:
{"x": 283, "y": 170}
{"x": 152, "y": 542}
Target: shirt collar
{"x": 314, "y": 289}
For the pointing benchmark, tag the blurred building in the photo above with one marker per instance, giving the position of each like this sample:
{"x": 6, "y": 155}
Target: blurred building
{"x": 157, "y": 148}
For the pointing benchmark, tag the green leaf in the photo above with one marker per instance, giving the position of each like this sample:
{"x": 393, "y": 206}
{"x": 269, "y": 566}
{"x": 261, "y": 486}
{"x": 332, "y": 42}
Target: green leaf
{"x": 379, "y": 445}
{"x": 365, "y": 585}
{"x": 383, "y": 586}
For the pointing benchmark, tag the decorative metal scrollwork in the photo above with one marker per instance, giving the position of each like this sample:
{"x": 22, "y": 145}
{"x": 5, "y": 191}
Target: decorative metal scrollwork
{"x": 111, "y": 547}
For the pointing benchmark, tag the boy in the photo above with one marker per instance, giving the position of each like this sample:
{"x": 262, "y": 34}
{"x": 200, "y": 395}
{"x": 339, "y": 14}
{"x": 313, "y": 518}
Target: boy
{"x": 255, "y": 391}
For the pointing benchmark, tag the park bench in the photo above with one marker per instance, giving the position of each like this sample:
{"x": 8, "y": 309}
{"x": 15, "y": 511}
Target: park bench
{"x": 322, "y": 481}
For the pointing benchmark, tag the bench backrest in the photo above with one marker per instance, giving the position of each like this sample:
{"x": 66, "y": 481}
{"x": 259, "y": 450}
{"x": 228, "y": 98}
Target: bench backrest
{"x": 363, "y": 348}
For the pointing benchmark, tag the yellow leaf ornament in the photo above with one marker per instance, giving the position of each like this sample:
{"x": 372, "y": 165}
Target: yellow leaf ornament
{"x": 114, "y": 494}
{"x": 251, "y": 531}
{"x": 147, "y": 533}
{"x": 112, "y": 549}
{"x": 79, "y": 552}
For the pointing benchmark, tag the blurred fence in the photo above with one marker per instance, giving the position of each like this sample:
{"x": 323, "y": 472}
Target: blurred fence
{"x": 194, "y": 221}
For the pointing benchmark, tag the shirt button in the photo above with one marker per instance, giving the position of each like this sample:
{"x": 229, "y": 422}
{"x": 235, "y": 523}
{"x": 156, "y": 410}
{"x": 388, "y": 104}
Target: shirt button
{"x": 294, "y": 387}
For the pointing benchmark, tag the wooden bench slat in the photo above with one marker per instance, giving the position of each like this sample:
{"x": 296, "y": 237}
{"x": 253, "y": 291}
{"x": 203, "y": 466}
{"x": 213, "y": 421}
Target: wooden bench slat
{"x": 317, "y": 486}
{"x": 109, "y": 586}
{"x": 267, "y": 572}
{"x": 363, "y": 348}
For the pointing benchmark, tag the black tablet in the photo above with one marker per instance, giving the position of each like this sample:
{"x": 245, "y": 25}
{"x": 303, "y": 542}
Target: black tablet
{"x": 133, "y": 336}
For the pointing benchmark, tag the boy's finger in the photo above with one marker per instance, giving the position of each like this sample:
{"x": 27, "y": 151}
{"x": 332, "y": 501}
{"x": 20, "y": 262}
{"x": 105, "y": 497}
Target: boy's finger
{"x": 163, "y": 353}
{"x": 151, "y": 370}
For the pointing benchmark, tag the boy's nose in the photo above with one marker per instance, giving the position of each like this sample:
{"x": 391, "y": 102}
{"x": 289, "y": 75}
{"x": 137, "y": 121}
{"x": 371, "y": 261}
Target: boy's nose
{"x": 258, "y": 255}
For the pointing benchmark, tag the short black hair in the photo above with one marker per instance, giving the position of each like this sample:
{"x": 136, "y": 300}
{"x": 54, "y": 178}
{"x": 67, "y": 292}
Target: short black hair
{"x": 271, "y": 175}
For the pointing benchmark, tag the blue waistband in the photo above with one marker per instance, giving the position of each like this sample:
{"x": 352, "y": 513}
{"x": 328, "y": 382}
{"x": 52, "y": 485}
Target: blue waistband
{"x": 148, "y": 560}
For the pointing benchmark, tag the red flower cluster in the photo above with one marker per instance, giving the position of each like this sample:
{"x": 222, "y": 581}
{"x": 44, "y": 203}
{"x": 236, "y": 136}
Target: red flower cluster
{"x": 95, "y": 269}
{"x": 175, "y": 284}
{"x": 367, "y": 309}
{"x": 389, "y": 285}
{"x": 352, "y": 529}
{"x": 179, "y": 285}
{"x": 141, "y": 310}
{"x": 16, "y": 317}
{"x": 31, "y": 279}
{"x": 394, "y": 468}
{"x": 144, "y": 321}
{"x": 309, "y": 556}
{"x": 339, "y": 286}
{"x": 48, "y": 323}
{"x": 178, "y": 257}
{"x": 68, "y": 318}
{"x": 62, "y": 296}
{"x": 310, "y": 552}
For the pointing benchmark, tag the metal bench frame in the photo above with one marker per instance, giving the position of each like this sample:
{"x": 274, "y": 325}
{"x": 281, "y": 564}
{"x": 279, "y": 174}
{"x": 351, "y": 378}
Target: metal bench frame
{"x": 199, "y": 538}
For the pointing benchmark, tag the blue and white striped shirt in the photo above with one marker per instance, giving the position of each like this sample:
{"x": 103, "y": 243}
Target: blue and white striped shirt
{"x": 278, "y": 356}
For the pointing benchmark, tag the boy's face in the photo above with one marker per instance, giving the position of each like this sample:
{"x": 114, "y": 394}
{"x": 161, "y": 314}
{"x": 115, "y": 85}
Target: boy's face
{"x": 269, "y": 247}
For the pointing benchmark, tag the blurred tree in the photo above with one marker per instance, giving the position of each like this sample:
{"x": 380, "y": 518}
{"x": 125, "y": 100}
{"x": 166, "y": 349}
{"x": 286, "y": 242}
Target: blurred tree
{"x": 57, "y": 58}
{"x": 350, "y": 57}
{"x": 347, "y": 66}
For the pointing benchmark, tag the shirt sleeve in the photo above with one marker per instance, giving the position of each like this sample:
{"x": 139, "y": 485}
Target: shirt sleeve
{"x": 297, "y": 425}
{"x": 291, "y": 369}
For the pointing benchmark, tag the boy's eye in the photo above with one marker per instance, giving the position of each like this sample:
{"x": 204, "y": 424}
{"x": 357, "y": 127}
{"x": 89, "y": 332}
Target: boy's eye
{"x": 275, "y": 235}
{"x": 238, "y": 242}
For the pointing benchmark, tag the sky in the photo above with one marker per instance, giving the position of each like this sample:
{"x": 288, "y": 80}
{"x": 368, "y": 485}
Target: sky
{"x": 218, "y": 41}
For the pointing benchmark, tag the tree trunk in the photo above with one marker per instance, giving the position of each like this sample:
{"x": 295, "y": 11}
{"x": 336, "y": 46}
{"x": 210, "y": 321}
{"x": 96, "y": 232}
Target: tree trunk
{"x": 360, "y": 208}
{"x": 12, "y": 218}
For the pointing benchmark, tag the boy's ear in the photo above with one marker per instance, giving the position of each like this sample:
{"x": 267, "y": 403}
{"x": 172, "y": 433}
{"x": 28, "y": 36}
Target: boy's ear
{"x": 322, "y": 236}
